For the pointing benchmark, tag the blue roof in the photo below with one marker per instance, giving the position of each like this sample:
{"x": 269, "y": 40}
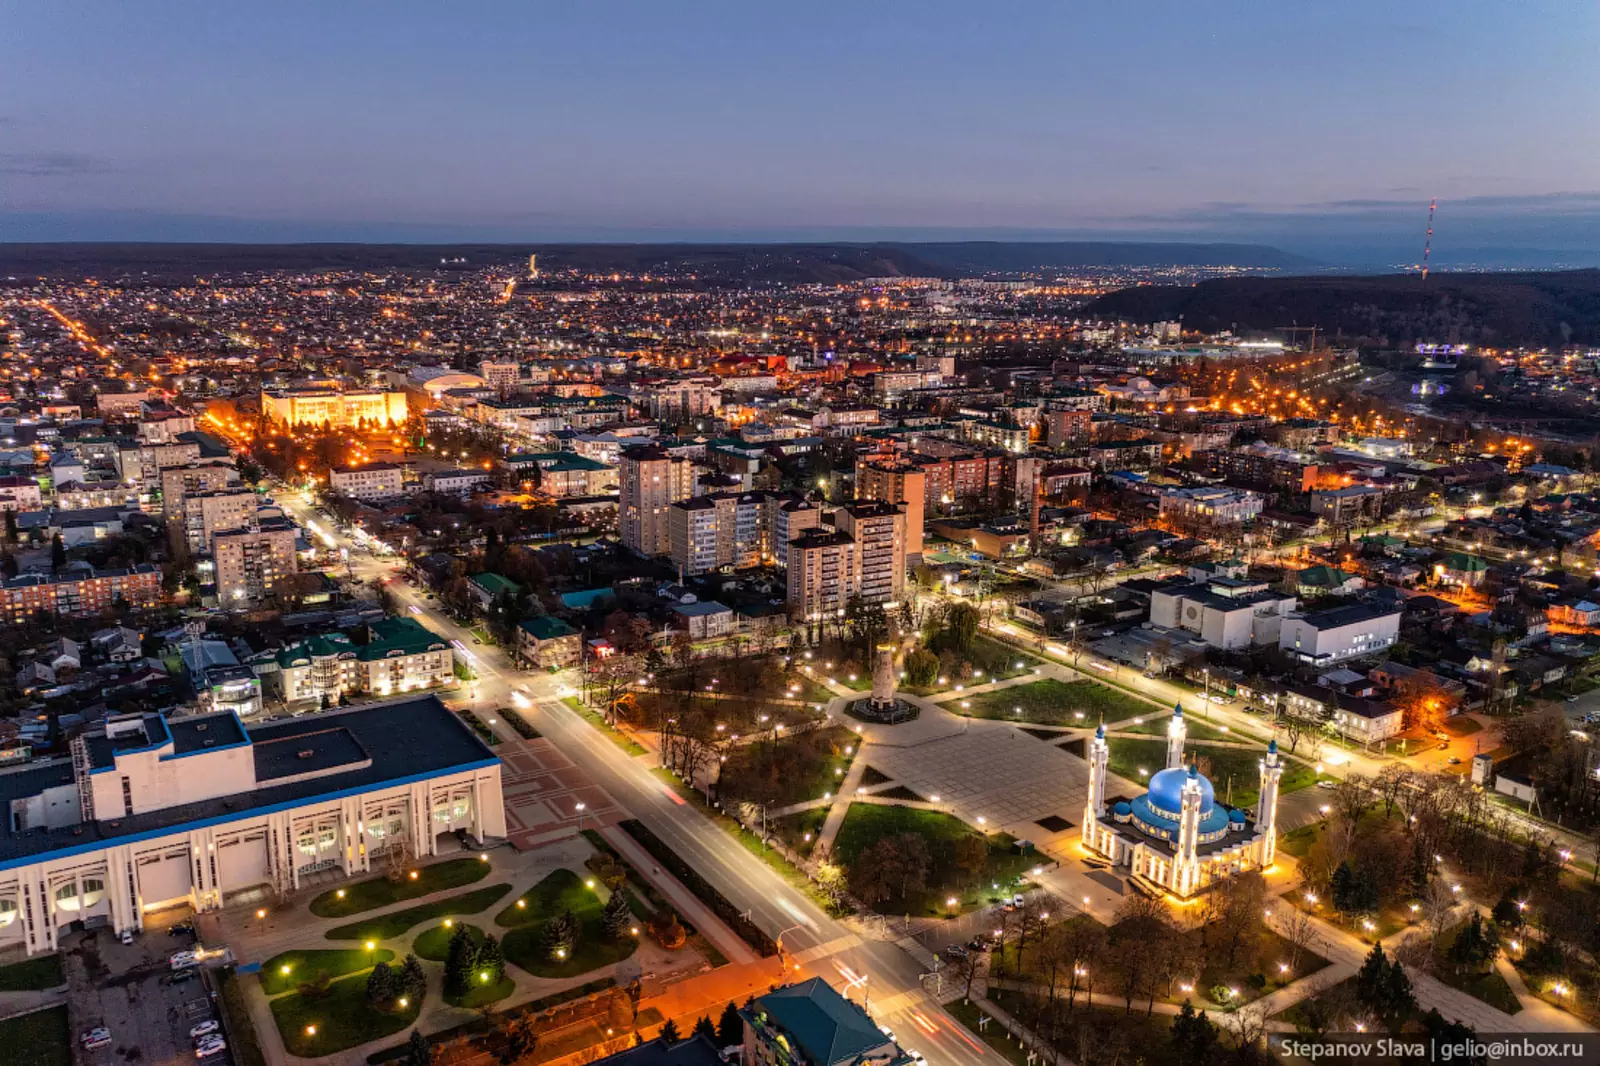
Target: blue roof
{"x": 1166, "y": 790}
{"x": 579, "y": 601}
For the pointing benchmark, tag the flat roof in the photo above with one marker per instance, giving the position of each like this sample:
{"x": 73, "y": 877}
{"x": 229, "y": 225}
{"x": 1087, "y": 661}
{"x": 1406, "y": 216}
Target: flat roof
{"x": 404, "y": 740}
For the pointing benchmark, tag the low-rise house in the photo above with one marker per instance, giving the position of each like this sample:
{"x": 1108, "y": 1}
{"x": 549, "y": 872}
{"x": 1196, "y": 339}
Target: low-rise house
{"x": 487, "y": 588}
{"x": 117, "y": 644}
{"x": 704, "y": 620}
{"x": 1459, "y": 568}
{"x": 548, "y": 643}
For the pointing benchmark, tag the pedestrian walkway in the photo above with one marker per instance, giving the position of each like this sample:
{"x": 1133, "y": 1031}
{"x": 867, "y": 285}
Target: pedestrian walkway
{"x": 841, "y": 801}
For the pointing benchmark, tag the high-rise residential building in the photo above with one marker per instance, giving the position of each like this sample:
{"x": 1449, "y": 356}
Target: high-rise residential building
{"x": 652, "y": 481}
{"x": 178, "y": 483}
{"x": 206, "y": 514}
{"x": 878, "y": 529}
{"x": 896, "y": 481}
{"x": 738, "y": 529}
{"x": 251, "y": 562}
{"x": 822, "y": 575}
{"x": 78, "y": 592}
{"x": 502, "y": 375}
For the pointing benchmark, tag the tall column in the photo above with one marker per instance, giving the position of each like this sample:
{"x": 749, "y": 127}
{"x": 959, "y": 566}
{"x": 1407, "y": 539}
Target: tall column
{"x": 1186, "y": 865}
{"x": 1177, "y": 731}
{"x": 1267, "y": 805}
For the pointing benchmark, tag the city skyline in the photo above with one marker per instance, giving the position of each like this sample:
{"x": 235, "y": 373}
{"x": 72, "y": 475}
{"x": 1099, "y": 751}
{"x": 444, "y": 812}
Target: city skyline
{"x": 1322, "y": 132}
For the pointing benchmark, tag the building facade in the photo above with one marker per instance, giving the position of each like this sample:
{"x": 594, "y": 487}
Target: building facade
{"x": 251, "y": 562}
{"x": 379, "y": 481}
{"x": 651, "y": 482}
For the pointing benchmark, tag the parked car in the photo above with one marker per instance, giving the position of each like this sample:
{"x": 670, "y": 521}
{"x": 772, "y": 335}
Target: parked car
{"x": 180, "y": 959}
{"x": 1572, "y": 699}
{"x": 210, "y": 1046}
{"x": 97, "y": 1037}
{"x": 126, "y": 937}
{"x": 208, "y": 1026}
{"x": 188, "y": 973}
{"x": 1325, "y": 783}
{"x": 1454, "y": 761}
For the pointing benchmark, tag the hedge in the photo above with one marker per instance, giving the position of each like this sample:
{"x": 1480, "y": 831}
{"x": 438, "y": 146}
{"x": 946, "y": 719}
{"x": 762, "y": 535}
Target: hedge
{"x": 720, "y": 905}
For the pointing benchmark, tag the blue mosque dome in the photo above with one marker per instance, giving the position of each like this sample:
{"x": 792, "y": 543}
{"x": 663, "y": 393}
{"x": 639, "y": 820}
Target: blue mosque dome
{"x": 1236, "y": 815}
{"x": 1100, "y": 733}
{"x": 1177, "y": 710}
{"x": 1123, "y": 807}
{"x": 1166, "y": 790}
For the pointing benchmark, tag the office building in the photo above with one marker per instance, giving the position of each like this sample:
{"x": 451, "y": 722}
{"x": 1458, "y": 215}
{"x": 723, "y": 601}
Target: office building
{"x": 151, "y": 813}
{"x": 297, "y": 407}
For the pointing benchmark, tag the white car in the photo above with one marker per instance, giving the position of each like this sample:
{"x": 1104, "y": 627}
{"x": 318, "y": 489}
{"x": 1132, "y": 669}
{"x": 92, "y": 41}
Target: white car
{"x": 126, "y": 937}
{"x": 211, "y": 1045}
{"x": 178, "y": 960}
{"x": 97, "y": 1037}
{"x": 202, "y": 1029}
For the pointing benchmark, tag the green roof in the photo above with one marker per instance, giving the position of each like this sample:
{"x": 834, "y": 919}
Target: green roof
{"x": 399, "y": 636}
{"x": 1464, "y": 562}
{"x": 546, "y": 628}
{"x": 829, "y": 1029}
{"x": 318, "y": 647}
{"x": 494, "y": 584}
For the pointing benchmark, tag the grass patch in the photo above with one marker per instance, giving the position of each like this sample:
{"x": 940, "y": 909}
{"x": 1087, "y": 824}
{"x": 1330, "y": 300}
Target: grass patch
{"x": 1129, "y": 757}
{"x": 43, "y": 1038}
{"x": 596, "y": 719}
{"x": 867, "y": 823}
{"x": 39, "y": 972}
{"x": 1297, "y": 842}
{"x": 388, "y": 926}
{"x": 341, "y": 1017}
{"x": 561, "y": 890}
{"x": 1052, "y": 702}
{"x": 382, "y": 892}
{"x": 1489, "y": 987}
{"x": 480, "y": 994}
{"x": 516, "y": 721}
{"x": 593, "y": 949}
{"x": 480, "y": 727}
{"x": 874, "y": 776}
{"x": 1193, "y": 730}
{"x": 1140, "y": 1037}
{"x": 1462, "y": 725}
{"x": 994, "y": 1034}
{"x": 793, "y": 769}
{"x": 309, "y": 966}
{"x": 434, "y": 944}
{"x": 243, "y": 1042}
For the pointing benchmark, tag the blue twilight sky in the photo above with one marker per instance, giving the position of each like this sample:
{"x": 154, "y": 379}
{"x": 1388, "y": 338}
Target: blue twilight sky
{"x": 1321, "y": 127}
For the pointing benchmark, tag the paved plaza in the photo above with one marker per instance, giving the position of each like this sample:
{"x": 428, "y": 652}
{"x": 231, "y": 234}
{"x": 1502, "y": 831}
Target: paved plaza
{"x": 542, "y": 791}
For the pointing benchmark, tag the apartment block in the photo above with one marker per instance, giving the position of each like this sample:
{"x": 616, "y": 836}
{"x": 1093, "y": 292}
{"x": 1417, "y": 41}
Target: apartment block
{"x": 178, "y": 483}
{"x": 651, "y": 482}
{"x": 206, "y": 514}
{"x": 822, "y": 575}
{"x": 380, "y": 481}
{"x": 879, "y": 532}
{"x": 900, "y": 482}
{"x": 78, "y": 592}
{"x": 251, "y": 562}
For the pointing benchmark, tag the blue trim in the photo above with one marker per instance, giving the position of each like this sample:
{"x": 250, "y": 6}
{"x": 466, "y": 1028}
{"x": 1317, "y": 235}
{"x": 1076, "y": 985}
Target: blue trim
{"x": 254, "y": 812}
{"x": 207, "y": 751}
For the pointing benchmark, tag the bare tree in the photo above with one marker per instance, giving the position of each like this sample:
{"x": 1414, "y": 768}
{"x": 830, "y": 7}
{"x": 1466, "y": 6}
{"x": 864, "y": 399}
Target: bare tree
{"x": 1300, "y": 930}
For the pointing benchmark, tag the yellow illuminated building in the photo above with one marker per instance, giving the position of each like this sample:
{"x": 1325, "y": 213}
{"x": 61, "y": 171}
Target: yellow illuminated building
{"x": 297, "y": 407}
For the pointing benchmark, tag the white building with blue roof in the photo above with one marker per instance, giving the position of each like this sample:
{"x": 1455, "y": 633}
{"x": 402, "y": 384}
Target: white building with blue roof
{"x": 151, "y": 812}
{"x": 1176, "y": 836}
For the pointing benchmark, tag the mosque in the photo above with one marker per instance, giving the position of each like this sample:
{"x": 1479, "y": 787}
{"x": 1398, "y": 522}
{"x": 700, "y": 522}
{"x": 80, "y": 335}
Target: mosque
{"x": 1177, "y": 836}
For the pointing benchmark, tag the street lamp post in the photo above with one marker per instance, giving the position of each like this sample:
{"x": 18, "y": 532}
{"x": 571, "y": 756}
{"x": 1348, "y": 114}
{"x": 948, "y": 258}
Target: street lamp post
{"x": 580, "y": 807}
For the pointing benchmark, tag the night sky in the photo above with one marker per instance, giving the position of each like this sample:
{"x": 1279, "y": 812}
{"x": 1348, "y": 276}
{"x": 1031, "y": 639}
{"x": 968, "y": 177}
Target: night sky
{"x": 1322, "y": 128}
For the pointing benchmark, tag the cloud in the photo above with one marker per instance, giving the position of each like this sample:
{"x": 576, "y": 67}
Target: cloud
{"x": 50, "y": 164}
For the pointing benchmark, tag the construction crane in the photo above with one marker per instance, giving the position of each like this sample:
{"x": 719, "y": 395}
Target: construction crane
{"x": 1427, "y": 242}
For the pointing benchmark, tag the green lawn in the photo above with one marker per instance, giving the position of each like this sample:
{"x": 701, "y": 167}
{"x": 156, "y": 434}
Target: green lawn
{"x": 1146, "y": 1038}
{"x": 1193, "y": 730}
{"x": 480, "y": 993}
{"x": 290, "y": 970}
{"x": 563, "y": 890}
{"x": 994, "y": 1034}
{"x": 598, "y": 720}
{"x": 392, "y": 925}
{"x": 42, "y": 1038}
{"x": 1052, "y": 702}
{"x": 382, "y": 892}
{"x": 867, "y": 823}
{"x": 336, "y": 1020}
{"x": 41, "y": 971}
{"x": 789, "y": 770}
{"x": 434, "y": 944}
{"x": 1242, "y": 765}
{"x": 1490, "y": 987}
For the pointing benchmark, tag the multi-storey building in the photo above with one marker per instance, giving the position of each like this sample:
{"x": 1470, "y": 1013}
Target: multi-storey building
{"x": 378, "y": 481}
{"x": 499, "y": 375}
{"x": 206, "y": 514}
{"x": 567, "y": 474}
{"x": 1340, "y": 633}
{"x": 337, "y": 408}
{"x": 1263, "y": 464}
{"x": 79, "y": 591}
{"x": 1217, "y": 504}
{"x": 822, "y": 575}
{"x": 792, "y": 518}
{"x": 250, "y": 562}
{"x": 878, "y": 529}
{"x": 20, "y": 494}
{"x": 652, "y": 481}
{"x": 178, "y": 483}
{"x": 400, "y": 655}
{"x": 723, "y": 529}
{"x": 150, "y": 459}
{"x": 897, "y": 481}
{"x": 675, "y": 401}
{"x": 1068, "y": 426}
{"x": 149, "y": 813}
{"x": 812, "y": 1024}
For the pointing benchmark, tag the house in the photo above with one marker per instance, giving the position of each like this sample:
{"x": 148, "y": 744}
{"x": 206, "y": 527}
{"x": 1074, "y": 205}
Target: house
{"x": 487, "y": 588}
{"x": 1325, "y": 637}
{"x": 35, "y": 677}
{"x": 704, "y": 620}
{"x": 1459, "y": 568}
{"x": 117, "y": 644}
{"x": 460, "y": 482}
{"x": 548, "y": 643}
{"x": 811, "y": 1023}
{"x": 1584, "y": 613}
{"x": 1327, "y": 581}
{"x": 63, "y": 653}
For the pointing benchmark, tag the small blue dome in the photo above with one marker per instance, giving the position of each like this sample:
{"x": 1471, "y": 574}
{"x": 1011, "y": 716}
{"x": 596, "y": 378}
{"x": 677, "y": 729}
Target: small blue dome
{"x": 1236, "y": 815}
{"x": 1100, "y": 733}
{"x": 1177, "y": 710}
{"x": 1123, "y": 807}
{"x": 1166, "y": 790}
{"x": 1272, "y": 746}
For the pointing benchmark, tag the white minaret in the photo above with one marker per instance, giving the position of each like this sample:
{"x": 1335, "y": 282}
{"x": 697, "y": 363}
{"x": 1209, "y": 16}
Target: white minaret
{"x": 1176, "y": 732}
{"x": 1267, "y": 806}
{"x": 1186, "y": 865}
{"x": 1095, "y": 808}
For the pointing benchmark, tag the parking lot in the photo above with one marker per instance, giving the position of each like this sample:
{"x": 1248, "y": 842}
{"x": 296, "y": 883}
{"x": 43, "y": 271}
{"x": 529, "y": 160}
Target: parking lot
{"x": 130, "y": 990}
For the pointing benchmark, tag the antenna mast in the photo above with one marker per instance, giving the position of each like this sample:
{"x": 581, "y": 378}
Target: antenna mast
{"x": 1427, "y": 243}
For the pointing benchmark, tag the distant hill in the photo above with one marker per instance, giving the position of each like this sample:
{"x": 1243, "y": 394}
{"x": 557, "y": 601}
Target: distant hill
{"x": 1389, "y": 310}
{"x": 725, "y": 263}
